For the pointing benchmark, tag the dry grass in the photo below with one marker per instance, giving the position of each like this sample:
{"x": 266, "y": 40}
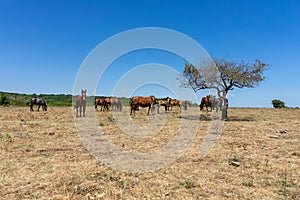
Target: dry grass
{"x": 42, "y": 157}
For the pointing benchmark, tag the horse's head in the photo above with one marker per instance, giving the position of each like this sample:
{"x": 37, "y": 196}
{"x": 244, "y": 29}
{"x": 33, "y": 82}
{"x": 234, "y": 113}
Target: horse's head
{"x": 83, "y": 94}
{"x": 168, "y": 99}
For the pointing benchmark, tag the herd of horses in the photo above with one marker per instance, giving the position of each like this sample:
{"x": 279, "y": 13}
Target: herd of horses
{"x": 136, "y": 102}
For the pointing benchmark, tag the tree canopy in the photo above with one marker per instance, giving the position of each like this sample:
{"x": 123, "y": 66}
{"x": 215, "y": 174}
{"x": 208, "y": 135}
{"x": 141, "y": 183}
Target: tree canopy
{"x": 223, "y": 75}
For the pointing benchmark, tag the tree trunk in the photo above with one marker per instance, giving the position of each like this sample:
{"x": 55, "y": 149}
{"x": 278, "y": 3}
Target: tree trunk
{"x": 222, "y": 95}
{"x": 224, "y": 110}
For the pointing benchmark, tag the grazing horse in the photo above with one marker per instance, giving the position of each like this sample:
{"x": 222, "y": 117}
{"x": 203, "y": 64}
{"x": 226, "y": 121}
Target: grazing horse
{"x": 137, "y": 101}
{"x": 114, "y": 103}
{"x": 81, "y": 103}
{"x": 206, "y": 101}
{"x": 163, "y": 102}
{"x": 173, "y": 102}
{"x": 37, "y": 101}
{"x": 217, "y": 103}
{"x": 99, "y": 102}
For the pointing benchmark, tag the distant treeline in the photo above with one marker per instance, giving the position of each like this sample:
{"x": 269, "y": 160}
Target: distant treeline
{"x": 17, "y": 99}
{"x": 22, "y": 99}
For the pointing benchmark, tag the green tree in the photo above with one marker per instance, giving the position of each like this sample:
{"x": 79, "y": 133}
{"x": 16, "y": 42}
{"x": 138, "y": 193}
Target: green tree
{"x": 223, "y": 76}
{"x": 278, "y": 103}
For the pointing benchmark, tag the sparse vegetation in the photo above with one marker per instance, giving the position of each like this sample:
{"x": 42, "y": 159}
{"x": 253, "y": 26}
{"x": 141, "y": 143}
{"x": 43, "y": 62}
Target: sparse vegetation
{"x": 101, "y": 124}
{"x": 7, "y": 137}
{"x": 39, "y": 164}
{"x": 111, "y": 118}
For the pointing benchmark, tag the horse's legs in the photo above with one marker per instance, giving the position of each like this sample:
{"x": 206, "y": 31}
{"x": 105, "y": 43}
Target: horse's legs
{"x": 31, "y": 107}
{"x": 83, "y": 112}
{"x": 76, "y": 111}
{"x": 39, "y": 107}
{"x": 80, "y": 110}
{"x": 152, "y": 108}
{"x": 132, "y": 108}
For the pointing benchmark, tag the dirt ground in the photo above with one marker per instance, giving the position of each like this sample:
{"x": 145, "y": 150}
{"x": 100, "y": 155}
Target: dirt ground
{"x": 257, "y": 156}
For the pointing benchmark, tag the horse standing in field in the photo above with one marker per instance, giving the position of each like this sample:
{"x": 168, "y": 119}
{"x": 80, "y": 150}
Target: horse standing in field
{"x": 143, "y": 102}
{"x": 217, "y": 103}
{"x": 173, "y": 102}
{"x": 38, "y": 101}
{"x": 163, "y": 102}
{"x": 81, "y": 103}
{"x": 206, "y": 101}
{"x": 99, "y": 102}
{"x": 114, "y": 103}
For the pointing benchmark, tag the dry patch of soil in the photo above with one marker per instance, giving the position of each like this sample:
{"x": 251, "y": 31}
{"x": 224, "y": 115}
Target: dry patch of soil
{"x": 256, "y": 157}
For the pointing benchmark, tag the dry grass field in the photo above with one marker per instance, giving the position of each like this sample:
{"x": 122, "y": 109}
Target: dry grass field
{"x": 42, "y": 157}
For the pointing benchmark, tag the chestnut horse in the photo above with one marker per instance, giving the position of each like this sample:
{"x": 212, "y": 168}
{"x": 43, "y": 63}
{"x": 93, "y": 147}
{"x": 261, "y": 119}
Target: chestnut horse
{"x": 173, "y": 102}
{"x": 37, "y": 101}
{"x": 81, "y": 103}
{"x": 99, "y": 102}
{"x": 137, "y": 101}
{"x": 114, "y": 103}
{"x": 206, "y": 101}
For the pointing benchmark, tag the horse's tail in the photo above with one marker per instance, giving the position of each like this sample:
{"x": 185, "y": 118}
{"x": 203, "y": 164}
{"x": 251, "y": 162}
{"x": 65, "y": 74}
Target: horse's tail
{"x": 28, "y": 103}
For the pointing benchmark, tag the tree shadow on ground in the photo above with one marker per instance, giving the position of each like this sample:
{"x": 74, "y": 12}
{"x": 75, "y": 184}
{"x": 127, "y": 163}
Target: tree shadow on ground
{"x": 240, "y": 119}
{"x": 204, "y": 117}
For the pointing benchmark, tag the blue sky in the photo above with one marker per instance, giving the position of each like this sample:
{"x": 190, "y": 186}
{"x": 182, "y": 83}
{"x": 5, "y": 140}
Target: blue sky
{"x": 43, "y": 43}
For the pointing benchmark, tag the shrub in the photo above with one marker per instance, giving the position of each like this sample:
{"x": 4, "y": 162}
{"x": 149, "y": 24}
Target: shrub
{"x": 278, "y": 103}
{"x": 3, "y": 100}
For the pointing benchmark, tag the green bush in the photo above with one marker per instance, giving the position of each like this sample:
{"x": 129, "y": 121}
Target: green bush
{"x": 3, "y": 100}
{"x": 278, "y": 103}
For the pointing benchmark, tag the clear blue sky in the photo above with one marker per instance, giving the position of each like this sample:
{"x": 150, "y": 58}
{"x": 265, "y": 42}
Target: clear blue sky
{"x": 43, "y": 43}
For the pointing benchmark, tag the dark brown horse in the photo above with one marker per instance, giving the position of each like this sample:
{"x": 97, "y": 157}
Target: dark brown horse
{"x": 206, "y": 101}
{"x": 38, "y": 101}
{"x": 139, "y": 101}
{"x": 173, "y": 102}
{"x": 114, "y": 103}
{"x": 81, "y": 103}
{"x": 99, "y": 102}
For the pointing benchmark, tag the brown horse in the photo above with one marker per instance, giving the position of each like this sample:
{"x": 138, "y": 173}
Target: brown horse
{"x": 114, "y": 103}
{"x": 173, "y": 102}
{"x": 163, "y": 102}
{"x": 81, "y": 103}
{"x": 206, "y": 101}
{"x": 137, "y": 101}
{"x": 38, "y": 101}
{"x": 99, "y": 102}
{"x": 217, "y": 103}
